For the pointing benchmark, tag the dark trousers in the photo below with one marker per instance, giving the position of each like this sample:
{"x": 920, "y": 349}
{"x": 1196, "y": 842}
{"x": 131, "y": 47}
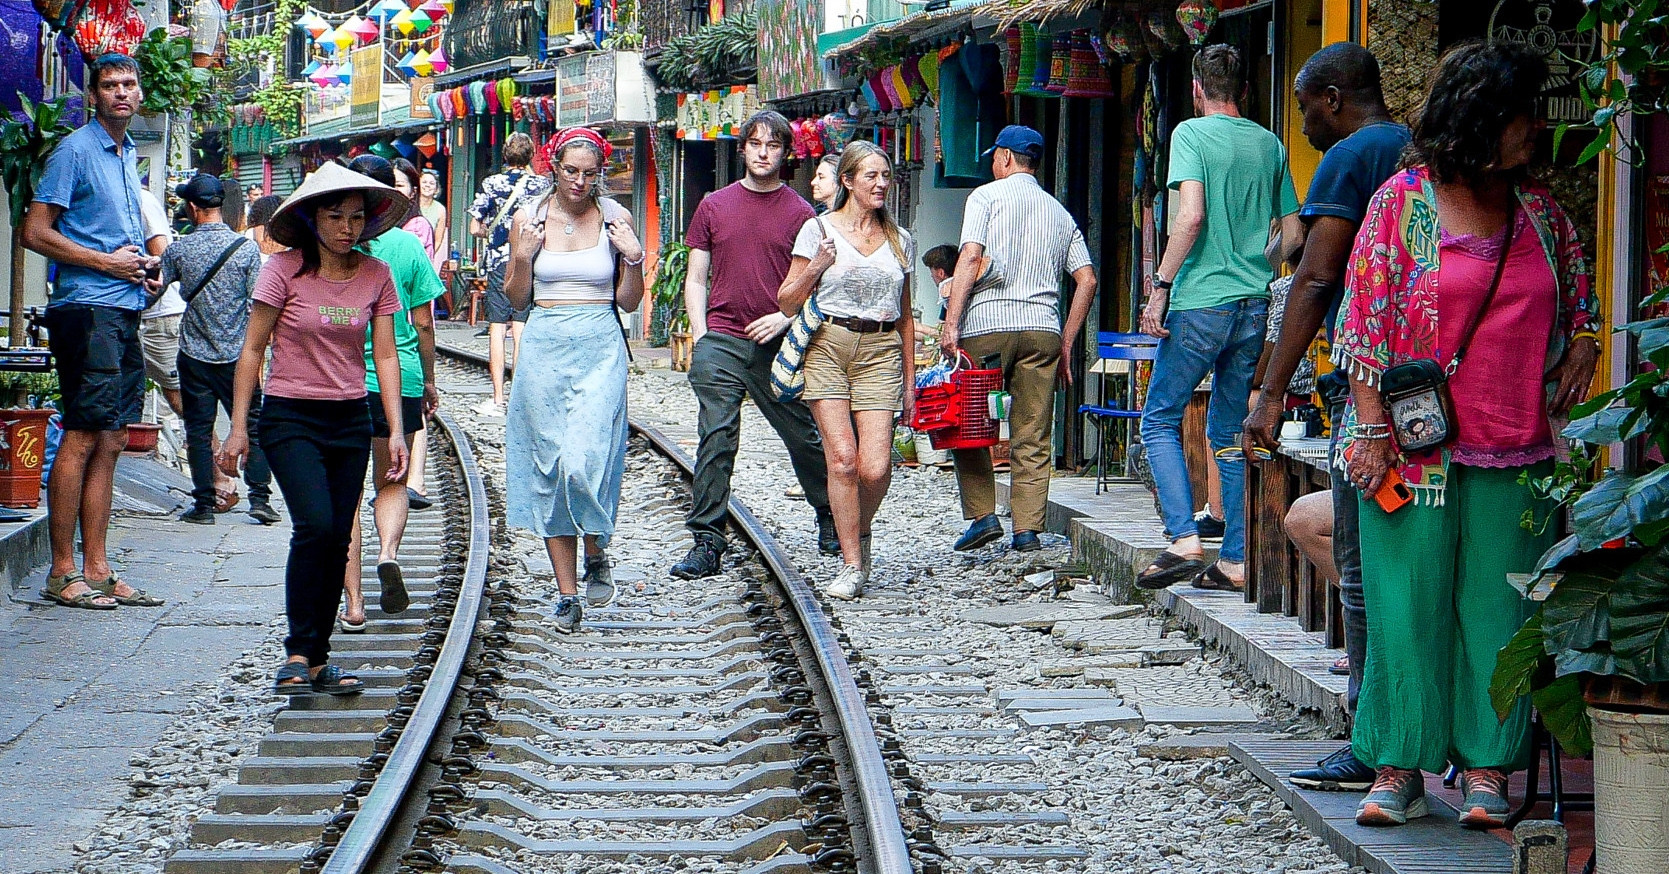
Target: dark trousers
{"x": 318, "y": 451}
{"x": 723, "y": 371}
{"x": 204, "y": 388}
{"x": 1347, "y": 558}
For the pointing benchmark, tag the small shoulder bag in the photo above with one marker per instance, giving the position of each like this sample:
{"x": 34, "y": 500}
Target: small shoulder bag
{"x": 788, "y": 377}
{"x": 1416, "y": 393}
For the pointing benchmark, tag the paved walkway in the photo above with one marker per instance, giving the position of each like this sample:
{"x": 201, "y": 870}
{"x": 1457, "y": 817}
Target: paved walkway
{"x": 81, "y": 691}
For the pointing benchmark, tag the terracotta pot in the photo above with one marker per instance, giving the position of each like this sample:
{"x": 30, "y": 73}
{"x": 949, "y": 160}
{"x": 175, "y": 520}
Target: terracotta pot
{"x": 141, "y": 436}
{"x": 21, "y": 456}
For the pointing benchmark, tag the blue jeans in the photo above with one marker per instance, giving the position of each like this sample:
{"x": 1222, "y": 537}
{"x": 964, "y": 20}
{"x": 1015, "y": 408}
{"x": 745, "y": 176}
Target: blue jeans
{"x": 1223, "y": 341}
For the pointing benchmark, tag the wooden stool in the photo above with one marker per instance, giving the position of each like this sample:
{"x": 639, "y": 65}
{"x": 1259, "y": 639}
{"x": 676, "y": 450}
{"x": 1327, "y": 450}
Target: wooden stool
{"x": 683, "y": 348}
{"x": 477, "y": 293}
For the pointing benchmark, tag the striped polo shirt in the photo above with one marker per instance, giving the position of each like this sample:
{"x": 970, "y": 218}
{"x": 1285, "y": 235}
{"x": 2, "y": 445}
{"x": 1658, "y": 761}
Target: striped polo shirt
{"x": 1034, "y": 241}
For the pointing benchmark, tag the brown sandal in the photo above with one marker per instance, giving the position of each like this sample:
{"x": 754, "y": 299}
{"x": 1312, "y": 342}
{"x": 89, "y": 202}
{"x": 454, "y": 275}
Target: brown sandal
{"x": 224, "y": 501}
{"x": 1212, "y": 579}
{"x": 88, "y": 600}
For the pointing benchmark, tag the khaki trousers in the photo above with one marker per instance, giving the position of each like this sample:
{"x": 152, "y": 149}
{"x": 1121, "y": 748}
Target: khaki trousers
{"x": 1030, "y": 360}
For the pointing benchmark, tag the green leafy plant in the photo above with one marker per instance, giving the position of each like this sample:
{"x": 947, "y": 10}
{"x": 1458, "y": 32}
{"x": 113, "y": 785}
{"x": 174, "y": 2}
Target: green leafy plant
{"x": 170, "y": 82}
{"x": 722, "y": 53}
{"x": 667, "y": 292}
{"x": 24, "y": 146}
{"x": 1630, "y": 78}
{"x": 282, "y": 104}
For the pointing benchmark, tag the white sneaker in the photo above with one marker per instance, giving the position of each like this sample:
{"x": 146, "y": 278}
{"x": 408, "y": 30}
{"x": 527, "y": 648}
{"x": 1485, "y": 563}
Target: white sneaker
{"x": 794, "y": 491}
{"x": 489, "y": 407}
{"x": 848, "y": 584}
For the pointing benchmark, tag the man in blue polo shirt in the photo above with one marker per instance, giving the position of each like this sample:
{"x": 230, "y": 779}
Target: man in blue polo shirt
{"x": 86, "y": 218}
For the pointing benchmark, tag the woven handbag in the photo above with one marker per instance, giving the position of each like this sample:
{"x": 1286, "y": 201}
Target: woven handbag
{"x": 788, "y": 377}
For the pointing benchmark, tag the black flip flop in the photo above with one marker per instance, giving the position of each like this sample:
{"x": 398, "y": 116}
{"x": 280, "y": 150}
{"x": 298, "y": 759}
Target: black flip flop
{"x": 292, "y": 671}
{"x": 1214, "y": 580}
{"x": 394, "y": 598}
{"x": 1168, "y": 568}
{"x": 332, "y": 680}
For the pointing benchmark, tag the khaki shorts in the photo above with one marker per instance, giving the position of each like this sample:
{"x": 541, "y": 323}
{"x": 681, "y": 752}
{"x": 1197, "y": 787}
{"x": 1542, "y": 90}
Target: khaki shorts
{"x": 866, "y": 369}
{"x": 160, "y": 339}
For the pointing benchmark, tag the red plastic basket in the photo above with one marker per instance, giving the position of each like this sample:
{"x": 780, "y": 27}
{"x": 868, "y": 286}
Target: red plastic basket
{"x": 955, "y": 414}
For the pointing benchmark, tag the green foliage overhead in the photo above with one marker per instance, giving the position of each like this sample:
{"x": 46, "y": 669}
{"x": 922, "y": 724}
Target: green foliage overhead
{"x": 24, "y": 146}
{"x": 723, "y": 53}
{"x": 169, "y": 80}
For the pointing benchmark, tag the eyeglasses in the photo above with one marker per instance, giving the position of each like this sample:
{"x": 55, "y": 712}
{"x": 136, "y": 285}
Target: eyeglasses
{"x": 572, "y": 173}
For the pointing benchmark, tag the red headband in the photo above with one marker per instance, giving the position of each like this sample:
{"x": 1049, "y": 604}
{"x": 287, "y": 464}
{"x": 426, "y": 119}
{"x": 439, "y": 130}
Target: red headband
{"x": 554, "y": 146}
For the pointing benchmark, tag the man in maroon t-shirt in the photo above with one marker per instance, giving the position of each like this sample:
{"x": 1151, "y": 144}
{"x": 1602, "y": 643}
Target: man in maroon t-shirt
{"x": 739, "y": 242}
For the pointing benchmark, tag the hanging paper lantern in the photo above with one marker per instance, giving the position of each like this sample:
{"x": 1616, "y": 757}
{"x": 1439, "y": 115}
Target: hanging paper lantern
{"x": 1197, "y": 17}
{"x": 413, "y": 4}
{"x": 308, "y": 71}
{"x": 385, "y": 10}
{"x": 427, "y": 145}
{"x": 326, "y": 46}
{"x": 404, "y": 146}
{"x": 344, "y": 38}
{"x": 109, "y": 26}
{"x": 1039, "y": 86}
{"x": 383, "y": 150}
{"x": 420, "y": 63}
{"x": 1164, "y": 31}
{"x": 314, "y": 25}
{"x": 1087, "y": 76}
{"x": 438, "y": 60}
{"x": 367, "y": 30}
{"x": 1011, "y": 59}
{"x": 406, "y": 64}
{"x": 838, "y": 128}
{"x": 1027, "y": 62}
{"x": 420, "y": 21}
{"x": 323, "y": 76}
{"x": 434, "y": 9}
{"x": 351, "y": 27}
{"x": 1121, "y": 37}
{"x": 344, "y": 73}
{"x": 1060, "y": 60}
{"x": 402, "y": 21}
{"x": 449, "y": 4}
{"x": 434, "y": 105}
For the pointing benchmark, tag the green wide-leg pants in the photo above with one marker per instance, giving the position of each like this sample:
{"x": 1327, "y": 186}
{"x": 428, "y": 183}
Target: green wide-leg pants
{"x": 1439, "y": 608}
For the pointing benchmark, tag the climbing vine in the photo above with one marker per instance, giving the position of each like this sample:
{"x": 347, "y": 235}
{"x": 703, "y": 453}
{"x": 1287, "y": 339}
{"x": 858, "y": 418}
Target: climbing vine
{"x": 1632, "y": 77}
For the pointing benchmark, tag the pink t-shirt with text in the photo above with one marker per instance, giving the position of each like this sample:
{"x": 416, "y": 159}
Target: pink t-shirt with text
{"x": 318, "y": 346}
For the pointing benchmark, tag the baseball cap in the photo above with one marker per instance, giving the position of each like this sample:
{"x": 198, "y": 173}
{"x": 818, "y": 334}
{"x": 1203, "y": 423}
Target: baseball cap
{"x": 1017, "y": 138}
{"x": 203, "y": 190}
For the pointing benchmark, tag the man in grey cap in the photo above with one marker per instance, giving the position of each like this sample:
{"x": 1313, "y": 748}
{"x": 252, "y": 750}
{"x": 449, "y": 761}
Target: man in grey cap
{"x": 1031, "y": 240}
{"x": 216, "y": 268}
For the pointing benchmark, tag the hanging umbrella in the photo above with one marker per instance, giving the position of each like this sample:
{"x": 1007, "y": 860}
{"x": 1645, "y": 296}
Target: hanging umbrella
{"x": 438, "y": 60}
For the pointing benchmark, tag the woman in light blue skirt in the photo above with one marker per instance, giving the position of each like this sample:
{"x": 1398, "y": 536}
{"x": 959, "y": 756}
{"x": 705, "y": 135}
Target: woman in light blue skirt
{"x": 575, "y": 257}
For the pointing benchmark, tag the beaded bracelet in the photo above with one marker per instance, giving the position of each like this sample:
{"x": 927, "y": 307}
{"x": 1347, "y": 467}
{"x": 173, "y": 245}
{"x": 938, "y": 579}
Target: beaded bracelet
{"x": 1371, "y": 431}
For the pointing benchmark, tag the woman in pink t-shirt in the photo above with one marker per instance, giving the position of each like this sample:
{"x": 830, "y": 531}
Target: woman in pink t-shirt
{"x": 312, "y": 304}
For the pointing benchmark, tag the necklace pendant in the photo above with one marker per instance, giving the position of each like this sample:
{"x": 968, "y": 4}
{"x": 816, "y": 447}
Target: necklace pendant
{"x": 568, "y": 229}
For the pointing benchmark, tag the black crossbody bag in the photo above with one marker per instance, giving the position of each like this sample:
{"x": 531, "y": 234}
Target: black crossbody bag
{"x": 1416, "y": 393}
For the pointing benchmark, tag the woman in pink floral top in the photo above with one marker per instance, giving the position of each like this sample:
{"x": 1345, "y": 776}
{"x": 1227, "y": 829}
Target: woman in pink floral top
{"x": 1435, "y": 571}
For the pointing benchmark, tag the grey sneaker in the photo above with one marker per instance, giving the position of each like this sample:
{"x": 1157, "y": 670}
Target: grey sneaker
{"x": 1396, "y": 797}
{"x": 1486, "y": 804}
{"x": 599, "y": 580}
{"x": 568, "y": 613}
{"x": 848, "y": 584}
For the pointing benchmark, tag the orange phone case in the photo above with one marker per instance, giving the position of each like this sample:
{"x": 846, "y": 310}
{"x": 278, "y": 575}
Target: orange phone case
{"x": 1393, "y": 492}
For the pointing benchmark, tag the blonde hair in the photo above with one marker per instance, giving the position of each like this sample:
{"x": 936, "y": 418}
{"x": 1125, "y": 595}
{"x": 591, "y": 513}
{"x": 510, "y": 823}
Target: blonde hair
{"x": 851, "y": 158}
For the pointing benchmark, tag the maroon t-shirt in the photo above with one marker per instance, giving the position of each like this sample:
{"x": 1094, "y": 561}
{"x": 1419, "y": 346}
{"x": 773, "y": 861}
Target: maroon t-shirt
{"x": 749, "y": 236}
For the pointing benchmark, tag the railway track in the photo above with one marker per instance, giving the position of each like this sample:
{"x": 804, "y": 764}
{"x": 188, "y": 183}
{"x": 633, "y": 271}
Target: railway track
{"x": 715, "y": 726}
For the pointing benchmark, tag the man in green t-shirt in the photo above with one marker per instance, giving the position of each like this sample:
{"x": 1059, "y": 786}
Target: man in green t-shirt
{"x": 1207, "y": 303}
{"x": 414, "y": 338}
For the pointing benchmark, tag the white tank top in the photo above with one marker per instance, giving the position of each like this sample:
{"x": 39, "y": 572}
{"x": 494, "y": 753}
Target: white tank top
{"x": 582, "y": 276}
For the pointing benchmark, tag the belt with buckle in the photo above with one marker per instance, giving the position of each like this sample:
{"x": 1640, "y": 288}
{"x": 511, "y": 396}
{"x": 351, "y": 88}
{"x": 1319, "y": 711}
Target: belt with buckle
{"x": 862, "y": 326}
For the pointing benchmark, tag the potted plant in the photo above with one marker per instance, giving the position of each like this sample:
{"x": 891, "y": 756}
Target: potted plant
{"x": 165, "y": 70}
{"x": 24, "y": 146}
{"x": 23, "y": 426}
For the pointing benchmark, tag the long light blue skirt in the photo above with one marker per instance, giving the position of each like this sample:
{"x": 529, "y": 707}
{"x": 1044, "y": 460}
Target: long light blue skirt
{"x": 565, "y": 429}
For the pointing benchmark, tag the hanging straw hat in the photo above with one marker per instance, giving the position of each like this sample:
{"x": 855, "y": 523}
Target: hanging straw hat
{"x": 384, "y": 206}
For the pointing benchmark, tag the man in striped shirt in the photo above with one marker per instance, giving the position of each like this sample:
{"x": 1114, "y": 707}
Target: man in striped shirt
{"x": 1031, "y": 240}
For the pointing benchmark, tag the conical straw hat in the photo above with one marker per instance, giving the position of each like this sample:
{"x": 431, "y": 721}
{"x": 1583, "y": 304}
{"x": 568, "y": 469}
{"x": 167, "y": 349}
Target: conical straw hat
{"x": 384, "y": 206}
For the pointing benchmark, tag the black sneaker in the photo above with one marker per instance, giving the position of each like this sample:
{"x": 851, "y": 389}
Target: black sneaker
{"x": 198, "y": 516}
{"x": 417, "y": 501}
{"x": 702, "y": 560}
{"x": 1210, "y": 527}
{"x": 1339, "y": 772}
{"x": 263, "y": 513}
{"x": 599, "y": 580}
{"x": 568, "y": 612}
{"x": 828, "y": 542}
{"x": 983, "y": 530}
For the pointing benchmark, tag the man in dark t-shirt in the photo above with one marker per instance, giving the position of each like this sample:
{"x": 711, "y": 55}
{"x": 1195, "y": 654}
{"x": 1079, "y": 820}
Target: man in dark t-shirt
{"x": 739, "y": 243}
{"x": 1344, "y": 112}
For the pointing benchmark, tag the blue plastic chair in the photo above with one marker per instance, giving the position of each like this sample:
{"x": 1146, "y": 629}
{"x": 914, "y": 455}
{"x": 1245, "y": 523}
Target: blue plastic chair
{"x": 1114, "y": 346}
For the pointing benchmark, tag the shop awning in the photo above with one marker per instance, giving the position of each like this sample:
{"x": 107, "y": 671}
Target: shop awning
{"x": 495, "y": 69}
{"x": 857, "y": 39}
{"x": 397, "y": 120}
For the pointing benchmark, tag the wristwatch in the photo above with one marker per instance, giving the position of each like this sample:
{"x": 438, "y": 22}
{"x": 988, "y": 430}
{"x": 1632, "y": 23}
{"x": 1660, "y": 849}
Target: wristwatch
{"x": 1160, "y": 282}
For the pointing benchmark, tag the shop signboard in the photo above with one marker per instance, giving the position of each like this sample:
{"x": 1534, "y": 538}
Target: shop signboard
{"x": 421, "y": 88}
{"x": 1549, "y": 28}
{"x": 599, "y": 87}
{"x": 365, "y": 92}
{"x": 573, "y": 97}
{"x": 788, "y": 59}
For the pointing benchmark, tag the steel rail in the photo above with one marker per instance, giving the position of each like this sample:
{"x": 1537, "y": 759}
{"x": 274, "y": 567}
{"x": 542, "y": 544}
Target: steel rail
{"x": 869, "y": 771}
{"x": 364, "y": 836}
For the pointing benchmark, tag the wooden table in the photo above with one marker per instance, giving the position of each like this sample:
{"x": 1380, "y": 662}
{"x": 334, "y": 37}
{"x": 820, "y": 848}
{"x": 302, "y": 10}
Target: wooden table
{"x": 1278, "y": 577}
